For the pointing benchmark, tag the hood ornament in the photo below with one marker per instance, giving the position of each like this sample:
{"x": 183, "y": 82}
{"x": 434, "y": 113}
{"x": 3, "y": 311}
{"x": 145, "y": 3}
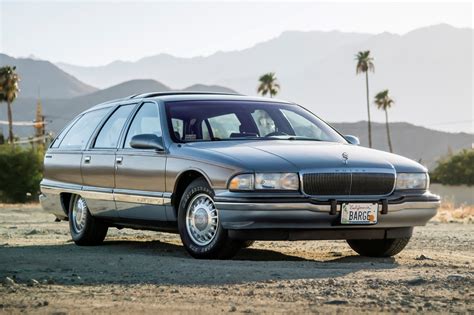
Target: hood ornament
{"x": 345, "y": 157}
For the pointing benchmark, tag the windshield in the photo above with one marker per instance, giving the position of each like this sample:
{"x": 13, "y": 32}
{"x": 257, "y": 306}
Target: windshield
{"x": 191, "y": 121}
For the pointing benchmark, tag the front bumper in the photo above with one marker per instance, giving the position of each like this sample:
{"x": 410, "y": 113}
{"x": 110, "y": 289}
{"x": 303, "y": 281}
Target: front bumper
{"x": 307, "y": 219}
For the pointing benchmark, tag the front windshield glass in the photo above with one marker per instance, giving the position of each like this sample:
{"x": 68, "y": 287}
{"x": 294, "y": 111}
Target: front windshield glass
{"x": 192, "y": 121}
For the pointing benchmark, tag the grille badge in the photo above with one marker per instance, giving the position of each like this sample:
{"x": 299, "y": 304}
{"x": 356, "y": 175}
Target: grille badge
{"x": 345, "y": 157}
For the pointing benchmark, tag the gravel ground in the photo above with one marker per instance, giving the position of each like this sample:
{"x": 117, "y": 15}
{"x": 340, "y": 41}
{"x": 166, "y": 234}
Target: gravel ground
{"x": 42, "y": 271}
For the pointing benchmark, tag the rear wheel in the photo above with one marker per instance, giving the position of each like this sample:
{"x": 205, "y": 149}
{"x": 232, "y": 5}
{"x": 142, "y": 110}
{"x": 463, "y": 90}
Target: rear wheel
{"x": 199, "y": 227}
{"x": 85, "y": 229}
{"x": 379, "y": 248}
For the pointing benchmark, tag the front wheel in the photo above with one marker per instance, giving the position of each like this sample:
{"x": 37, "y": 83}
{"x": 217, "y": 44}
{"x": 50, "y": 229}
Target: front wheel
{"x": 379, "y": 248}
{"x": 85, "y": 229}
{"x": 199, "y": 227}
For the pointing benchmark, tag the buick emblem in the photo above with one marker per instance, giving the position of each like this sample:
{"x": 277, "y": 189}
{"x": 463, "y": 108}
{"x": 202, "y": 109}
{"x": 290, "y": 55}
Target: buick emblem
{"x": 345, "y": 157}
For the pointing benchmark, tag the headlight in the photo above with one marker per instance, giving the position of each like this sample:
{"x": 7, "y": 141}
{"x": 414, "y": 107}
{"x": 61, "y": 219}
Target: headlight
{"x": 279, "y": 181}
{"x": 242, "y": 182}
{"x": 265, "y": 181}
{"x": 412, "y": 181}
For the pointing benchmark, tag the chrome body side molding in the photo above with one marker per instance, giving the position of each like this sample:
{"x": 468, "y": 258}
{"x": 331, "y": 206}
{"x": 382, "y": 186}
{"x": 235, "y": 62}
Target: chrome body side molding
{"x": 101, "y": 199}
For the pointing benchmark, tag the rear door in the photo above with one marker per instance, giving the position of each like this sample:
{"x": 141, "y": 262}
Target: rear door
{"x": 98, "y": 163}
{"x": 140, "y": 174}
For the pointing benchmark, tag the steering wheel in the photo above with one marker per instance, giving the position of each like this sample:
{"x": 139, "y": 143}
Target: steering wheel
{"x": 276, "y": 133}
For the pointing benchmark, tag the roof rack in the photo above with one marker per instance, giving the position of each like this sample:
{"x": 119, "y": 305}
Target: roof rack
{"x": 156, "y": 94}
{"x": 131, "y": 96}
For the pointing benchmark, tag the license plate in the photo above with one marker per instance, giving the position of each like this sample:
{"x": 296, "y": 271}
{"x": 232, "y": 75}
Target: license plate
{"x": 359, "y": 213}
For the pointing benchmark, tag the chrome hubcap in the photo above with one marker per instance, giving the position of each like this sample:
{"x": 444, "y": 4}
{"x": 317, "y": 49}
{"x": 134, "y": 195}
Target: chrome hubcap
{"x": 202, "y": 220}
{"x": 79, "y": 214}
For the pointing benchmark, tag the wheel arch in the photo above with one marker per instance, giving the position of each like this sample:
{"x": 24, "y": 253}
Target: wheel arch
{"x": 65, "y": 199}
{"x": 182, "y": 181}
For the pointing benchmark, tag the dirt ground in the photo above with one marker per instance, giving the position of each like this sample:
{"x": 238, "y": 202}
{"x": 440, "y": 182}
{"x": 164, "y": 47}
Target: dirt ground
{"x": 43, "y": 272}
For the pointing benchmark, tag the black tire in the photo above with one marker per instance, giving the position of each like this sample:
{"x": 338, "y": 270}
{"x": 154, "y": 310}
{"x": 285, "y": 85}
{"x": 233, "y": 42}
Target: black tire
{"x": 93, "y": 231}
{"x": 379, "y": 248}
{"x": 221, "y": 246}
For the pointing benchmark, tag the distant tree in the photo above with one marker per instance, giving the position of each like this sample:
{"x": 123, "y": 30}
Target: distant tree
{"x": 268, "y": 84}
{"x": 364, "y": 65}
{"x": 457, "y": 169}
{"x": 383, "y": 101}
{"x": 8, "y": 93}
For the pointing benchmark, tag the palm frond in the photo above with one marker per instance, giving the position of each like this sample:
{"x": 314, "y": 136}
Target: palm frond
{"x": 268, "y": 84}
{"x": 383, "y": 100}
{"x": 8, "y": 84}
{"x": 364, "y": 62}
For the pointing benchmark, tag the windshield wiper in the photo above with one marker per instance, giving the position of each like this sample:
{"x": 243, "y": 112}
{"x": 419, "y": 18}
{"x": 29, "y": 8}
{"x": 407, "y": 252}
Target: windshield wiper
{"x": 291, "y": 138}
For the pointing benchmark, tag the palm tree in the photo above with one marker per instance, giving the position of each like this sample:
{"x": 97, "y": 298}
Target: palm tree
{"x": 8, "y": 93}
{"x": 365, "y": 64}
{"x": 384, "y": 102}
{"x": 268, "y": 84}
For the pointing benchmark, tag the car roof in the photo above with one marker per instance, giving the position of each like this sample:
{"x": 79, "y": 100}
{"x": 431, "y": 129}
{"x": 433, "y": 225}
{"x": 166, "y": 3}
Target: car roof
{"x": 185, "y": 96}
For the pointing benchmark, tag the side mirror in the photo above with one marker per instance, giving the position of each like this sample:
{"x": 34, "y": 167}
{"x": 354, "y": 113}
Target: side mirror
{"x": 352, "y": 139}
{"x": 147, "y": 141}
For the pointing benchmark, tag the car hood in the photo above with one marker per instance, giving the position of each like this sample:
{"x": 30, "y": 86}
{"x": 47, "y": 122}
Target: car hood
{"x": 293, "y": 155}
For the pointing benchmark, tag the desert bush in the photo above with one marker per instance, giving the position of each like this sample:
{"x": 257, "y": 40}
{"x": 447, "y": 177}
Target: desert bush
{"x": 20, "y": 173}
{"x": 457, "y": 169}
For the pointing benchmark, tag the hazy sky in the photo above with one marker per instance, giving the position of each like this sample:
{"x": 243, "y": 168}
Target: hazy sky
{"x": 95, "y": 33}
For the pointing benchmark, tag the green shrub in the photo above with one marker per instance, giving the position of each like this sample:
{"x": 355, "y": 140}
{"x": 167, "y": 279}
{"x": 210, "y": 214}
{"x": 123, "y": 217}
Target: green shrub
{"x": 457, "y": 169}
{"x": 20, "y": 173}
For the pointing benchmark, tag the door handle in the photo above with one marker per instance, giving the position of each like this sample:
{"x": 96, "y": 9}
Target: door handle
{"x": 87, "y": 159}
{"x": 119, "y": 159}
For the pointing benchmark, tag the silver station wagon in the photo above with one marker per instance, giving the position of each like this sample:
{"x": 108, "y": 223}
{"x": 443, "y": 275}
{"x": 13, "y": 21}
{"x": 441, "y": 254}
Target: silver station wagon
{"x": 223, "y": 170}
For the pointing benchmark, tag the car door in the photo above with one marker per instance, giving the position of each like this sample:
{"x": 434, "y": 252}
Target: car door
{"x": 140, "y": 174}
{"x": 62, "y": 163}
{"x": 98, "y": 164}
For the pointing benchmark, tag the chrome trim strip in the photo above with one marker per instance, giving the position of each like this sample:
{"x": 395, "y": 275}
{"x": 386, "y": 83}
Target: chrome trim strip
{"x": 88, "y": 194}
{"x": 349, "y": 169}
{"x": 316, "y": 208}
{"x": 97, "y": 193}
{"x": 139, "y": 199}
{"x": 414, "y": 205}
{"x": 119, "y": 195}
{"x": 133, "y": 192}
{"x": 57, "y": 190}
{"x": 45, "y": 183}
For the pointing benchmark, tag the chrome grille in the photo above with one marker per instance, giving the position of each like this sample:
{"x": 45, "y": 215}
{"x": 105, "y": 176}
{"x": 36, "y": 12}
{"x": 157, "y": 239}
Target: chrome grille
{"x": 355, "y": 184}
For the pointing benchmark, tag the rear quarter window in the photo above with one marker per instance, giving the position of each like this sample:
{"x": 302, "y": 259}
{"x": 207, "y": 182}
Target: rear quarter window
{"x": 79, "y": 134}
{"x": 55, "y": 143}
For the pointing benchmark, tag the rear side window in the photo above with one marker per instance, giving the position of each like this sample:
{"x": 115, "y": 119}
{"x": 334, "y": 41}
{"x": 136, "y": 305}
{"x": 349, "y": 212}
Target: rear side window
{"x": 108, "y": 136}
{"x": 78, "y": 135}
{"x": 59, "y": 138}
{"x": 146, "y": 121}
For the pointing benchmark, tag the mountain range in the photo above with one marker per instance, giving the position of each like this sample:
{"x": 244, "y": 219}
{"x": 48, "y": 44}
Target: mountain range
{"x": 429, "y": 73}
{"x": 42, "y": 78}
